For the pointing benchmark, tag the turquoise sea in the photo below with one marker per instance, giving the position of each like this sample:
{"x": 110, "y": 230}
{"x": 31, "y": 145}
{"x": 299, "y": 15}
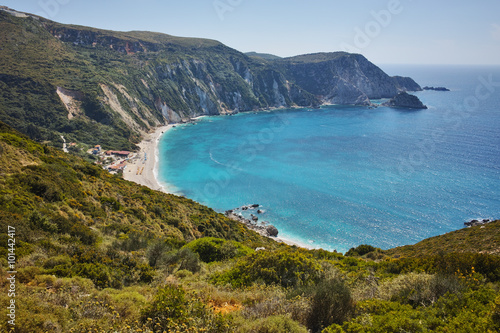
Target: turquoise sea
{"x": 341, "y": 176}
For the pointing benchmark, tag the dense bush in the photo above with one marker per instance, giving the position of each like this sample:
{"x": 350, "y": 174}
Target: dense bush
{"x": 273, "y": 324}
{"x": 172, "y": 308}
{"x": 182, "y": 259}
{"x": 285, "y": 267}
{"x": 155, "y": 251}
{"x": 215, "y": 249}
{"x": 470, "y": 311}
{"x": 361, "y": 250}
{"x": 487, "y": 265}
{"x": 331, "y": 304}
{"x": 419, "y": 288}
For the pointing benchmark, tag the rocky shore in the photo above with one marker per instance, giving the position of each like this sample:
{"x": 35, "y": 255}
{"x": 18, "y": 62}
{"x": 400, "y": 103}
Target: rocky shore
{"x": 262, "y": 227}
{"x": 474, "y": 223}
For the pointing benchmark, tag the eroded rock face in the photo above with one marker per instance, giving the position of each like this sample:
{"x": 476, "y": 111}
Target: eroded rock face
{"x": 343, "y": 78}
{"x": 405, "y": 100}
{"x": 142, "y": 79}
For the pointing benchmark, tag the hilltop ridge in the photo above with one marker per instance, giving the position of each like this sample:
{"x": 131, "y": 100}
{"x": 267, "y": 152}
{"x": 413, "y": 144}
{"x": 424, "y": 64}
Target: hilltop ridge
{"x": 98, "y": 86}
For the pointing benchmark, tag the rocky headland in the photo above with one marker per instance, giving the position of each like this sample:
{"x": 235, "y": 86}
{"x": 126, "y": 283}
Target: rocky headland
{"x": 343, "y": 78}
{"x": 136, "y": 81}
{"x": 405, "y": 100}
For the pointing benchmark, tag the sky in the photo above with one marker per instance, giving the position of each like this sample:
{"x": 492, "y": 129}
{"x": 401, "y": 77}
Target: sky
{"x": 385, "y": 31}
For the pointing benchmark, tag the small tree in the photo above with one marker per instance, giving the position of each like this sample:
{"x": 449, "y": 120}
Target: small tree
{"x": 331, "y": 304}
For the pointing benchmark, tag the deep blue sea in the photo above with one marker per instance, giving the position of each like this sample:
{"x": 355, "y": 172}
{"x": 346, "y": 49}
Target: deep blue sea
{"x": 341, "y": 176}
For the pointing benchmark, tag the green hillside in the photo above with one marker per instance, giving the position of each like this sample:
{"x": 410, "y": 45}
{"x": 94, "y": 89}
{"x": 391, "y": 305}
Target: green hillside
{"x": 95, "y": 86}
{"x": 265, "y": 56}
{"x": 122, "y": 84}
{"x": 95, "y": 253}
{"x": 478, "y": 239}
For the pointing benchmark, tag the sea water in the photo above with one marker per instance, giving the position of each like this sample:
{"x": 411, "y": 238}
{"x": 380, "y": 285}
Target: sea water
{"x": 341, "y": 176}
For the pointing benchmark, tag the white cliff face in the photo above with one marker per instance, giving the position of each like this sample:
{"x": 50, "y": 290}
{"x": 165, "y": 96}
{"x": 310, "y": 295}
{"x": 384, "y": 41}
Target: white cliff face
{"x": 344, "y": 78}
{"x": 345, "y": 92}
{"x": 237, "y": 101}
{"x": 137, "y": 80}
{"x": 170, "y": 115}
{"x": 202, "y": 95}
{"x": 279, "y": 99}
{"x": 248, "y": 77}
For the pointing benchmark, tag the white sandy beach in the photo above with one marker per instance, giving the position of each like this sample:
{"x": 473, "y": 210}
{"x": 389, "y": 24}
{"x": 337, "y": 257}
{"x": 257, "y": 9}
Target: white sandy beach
{"x": 142, "y": 168}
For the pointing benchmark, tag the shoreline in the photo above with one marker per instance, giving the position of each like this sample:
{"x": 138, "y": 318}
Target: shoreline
{"x": 142, "y": 169}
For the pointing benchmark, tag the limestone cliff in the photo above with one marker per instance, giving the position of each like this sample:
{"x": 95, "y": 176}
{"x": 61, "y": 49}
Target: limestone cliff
{"x": 100, "y": 86}
{"x": 343, "y": 78}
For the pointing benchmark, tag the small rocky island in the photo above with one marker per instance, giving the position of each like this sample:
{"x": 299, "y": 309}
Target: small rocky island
{"x": 436, "y": 88}
{"x": 405, "y": 100}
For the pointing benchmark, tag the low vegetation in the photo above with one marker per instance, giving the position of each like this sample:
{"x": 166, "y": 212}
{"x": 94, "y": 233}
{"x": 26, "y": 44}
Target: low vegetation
{"x": 95, "y": 253}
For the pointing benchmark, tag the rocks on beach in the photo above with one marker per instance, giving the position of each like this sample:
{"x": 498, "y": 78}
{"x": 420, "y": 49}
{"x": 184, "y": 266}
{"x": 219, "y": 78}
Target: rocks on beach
{"x": 262, "y": 227}
{"x": 272, "y": 231}
{"x": 474, "y": 223}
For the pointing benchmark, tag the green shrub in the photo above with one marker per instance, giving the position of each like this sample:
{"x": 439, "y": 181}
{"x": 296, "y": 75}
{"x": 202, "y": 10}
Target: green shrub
{"x": 43, "y": 188}
{"x": 285, "y": 267}
{"x": 183, "y": 273}
{"x": 83, "y": 233}
{"x": 155, "y": 251}
{"x": 111, "y": 203}
{"x": 97, "y": 272}
{"x": 38, "y": 221}
{"x": 419, "y": 288}
{"x": 273, "y": 324}
{"x": 382, "y": 316}
{"x": 27, "y": 274}
{"x": 173, "y": 308}
{"x": 183, "y": 259}
{"x": 361, "y": 250}
{"x": 495, "y": 314}
{"x": 331, "y": 304}
{"x": 57, "y": 261}
{"x": 215, "y": 249}
{"x": 276, "y": 302}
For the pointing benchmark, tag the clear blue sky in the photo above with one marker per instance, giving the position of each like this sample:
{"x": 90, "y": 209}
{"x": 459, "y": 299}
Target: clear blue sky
{"x": 406, "y": 31}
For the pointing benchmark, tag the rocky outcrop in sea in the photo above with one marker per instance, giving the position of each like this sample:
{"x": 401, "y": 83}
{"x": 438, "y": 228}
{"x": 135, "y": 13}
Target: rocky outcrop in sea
{"x": 343, "y": 78}
{"x": 405, "y": 100}
{"x": 436, "y": 88}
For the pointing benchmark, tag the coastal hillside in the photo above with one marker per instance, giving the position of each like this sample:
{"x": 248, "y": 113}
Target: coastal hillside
{"x": 478, "y": 239}
{"x": 95, "y": 86}
{"x": 95, "y": 253}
